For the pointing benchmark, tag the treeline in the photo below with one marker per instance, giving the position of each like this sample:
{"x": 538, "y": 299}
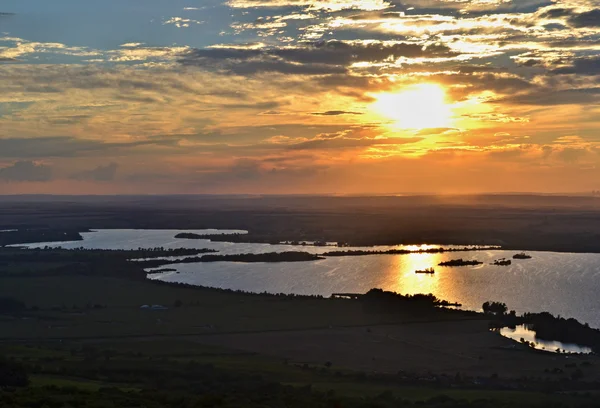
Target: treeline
{"x": 28, "y": 236}
{"x": 52, "y": 254}
{"x": 385, "y": 301}
{"x": 407, "y": 251}
{"x": 550, "y": 327}
{"x": 545, "y": 325}
{"x": 249, "y": 258}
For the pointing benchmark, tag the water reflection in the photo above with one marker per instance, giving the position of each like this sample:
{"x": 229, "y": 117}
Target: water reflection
{"x": 408, "y": 282}
{"x": 561, "y": 283}
{"x": 523, "y": 333}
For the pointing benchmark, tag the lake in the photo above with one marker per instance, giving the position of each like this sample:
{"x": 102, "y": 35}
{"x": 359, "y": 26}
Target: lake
{"x": 523, "y": 332}
{"x": 561, "y": 283}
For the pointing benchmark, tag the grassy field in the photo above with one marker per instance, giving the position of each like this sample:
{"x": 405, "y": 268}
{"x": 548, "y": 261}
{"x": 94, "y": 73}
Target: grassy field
{"x": 84, "y": 341}
{"x": 90, "y": 368}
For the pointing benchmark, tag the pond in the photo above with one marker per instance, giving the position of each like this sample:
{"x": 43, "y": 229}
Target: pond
{"x": 523, "y": 333}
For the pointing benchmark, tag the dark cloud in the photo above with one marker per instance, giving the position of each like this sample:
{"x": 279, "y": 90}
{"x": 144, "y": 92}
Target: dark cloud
{"x": 32, "y": 79}
{"x": 586, "y": 19}
{"x": 247, "y": 170}
{"x": 325, "y": 57}
{"x": 549, "y": 97}
{"x": 554, "y": 13}
{"x": 26, "y": 171}
{"x": 336, "y": 113}
{"x": 257, "y": 105}
{"x": 62, "y": 146}
{"x": 471, "y": 69}
{"x": 344, "y": 53}
{"x": 590, "y": 18}
{"x": 100, "y": 173}
{"x": 581, "y": 66}
{"x": 341, "y": 142}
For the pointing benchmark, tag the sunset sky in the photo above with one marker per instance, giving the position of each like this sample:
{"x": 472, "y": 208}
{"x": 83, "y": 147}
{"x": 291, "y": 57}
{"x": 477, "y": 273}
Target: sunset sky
{"x": 299, "y": 96}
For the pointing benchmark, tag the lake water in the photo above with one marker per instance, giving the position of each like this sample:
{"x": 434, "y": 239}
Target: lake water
{"x": 522, "y": 332}
{"x": 561, "y": 283}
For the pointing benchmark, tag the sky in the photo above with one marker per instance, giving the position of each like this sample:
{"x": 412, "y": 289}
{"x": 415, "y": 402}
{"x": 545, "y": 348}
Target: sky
{"x": 299, "y": 96}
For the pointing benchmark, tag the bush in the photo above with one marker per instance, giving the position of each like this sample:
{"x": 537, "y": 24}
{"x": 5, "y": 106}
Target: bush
{"x": 10, "y": 305}
{"x": 495, "y": 308}
{"x": 12, "y": 374}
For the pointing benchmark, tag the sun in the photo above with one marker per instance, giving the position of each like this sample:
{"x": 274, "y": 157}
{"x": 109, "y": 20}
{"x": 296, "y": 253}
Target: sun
{"x": 419, "y": 106}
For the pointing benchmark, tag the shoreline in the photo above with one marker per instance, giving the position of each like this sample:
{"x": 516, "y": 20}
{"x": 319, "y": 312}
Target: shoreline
{"x": 57, "y": 237}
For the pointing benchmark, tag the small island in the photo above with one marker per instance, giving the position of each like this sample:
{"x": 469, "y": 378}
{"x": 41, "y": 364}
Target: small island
{"x": 190, "y": 235}
{"x": 460, "y": 262}
{"x": 521, "y": 255}
{"x": 248, "y": 258}
{"x": 159, "y": 271}
{"x": 502, "y": 262}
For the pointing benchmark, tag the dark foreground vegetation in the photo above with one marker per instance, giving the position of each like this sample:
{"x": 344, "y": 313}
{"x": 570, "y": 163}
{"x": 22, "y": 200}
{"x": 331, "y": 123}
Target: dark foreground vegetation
{"x": 180, "y": 374}
{"x": 546, "y": 326}
{"x": 27, "y": 236}
{"x": 73, "y": 334}
{"x": 44, "y": 262}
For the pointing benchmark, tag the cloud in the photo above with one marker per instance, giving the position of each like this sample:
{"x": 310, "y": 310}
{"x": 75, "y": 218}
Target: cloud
{"x": 346, "y": 140}
{"x": 64, "y": 146}
{"x": 100, "y": 173}
{"x": 324, "y": 57}
{"x": 18, "y": 48}
{"x": 550, "y": 97}
{"x": 26, "y": 171}
{"x": 589, "y": 18}
{"x": 581, "y": 66}
{"x": 330, "y": 5}
{"x": 181, "y": 22}
{"x": 336, "y": 113}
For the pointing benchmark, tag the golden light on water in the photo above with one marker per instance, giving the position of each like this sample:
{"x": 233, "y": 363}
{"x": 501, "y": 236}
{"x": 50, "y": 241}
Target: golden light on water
{"x": 418, "y": 106}
{"x": 409, "y": 282}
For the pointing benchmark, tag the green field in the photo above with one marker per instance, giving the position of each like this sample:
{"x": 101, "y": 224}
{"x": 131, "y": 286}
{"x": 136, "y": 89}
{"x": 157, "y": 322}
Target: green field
{"x": 83, "y": 341}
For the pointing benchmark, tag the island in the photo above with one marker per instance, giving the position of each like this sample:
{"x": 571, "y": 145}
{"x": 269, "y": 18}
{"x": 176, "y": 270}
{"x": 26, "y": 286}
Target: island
{"x": 190, "y": 235}
{"x": 159, "y": 271}
{"x": 460, "y": 262}
{"x": 521, "y": 255}
{"x": 248, "y": 258}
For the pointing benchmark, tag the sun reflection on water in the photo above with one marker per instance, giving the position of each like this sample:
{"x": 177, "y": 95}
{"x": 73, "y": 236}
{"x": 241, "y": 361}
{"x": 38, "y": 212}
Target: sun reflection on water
{"x": 409, "y": 282}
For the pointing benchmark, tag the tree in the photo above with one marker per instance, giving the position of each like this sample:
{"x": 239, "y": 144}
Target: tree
{"x": 494, "y": 308}
{"x": 10, "y": 305}
{"x": 12, "y": 374}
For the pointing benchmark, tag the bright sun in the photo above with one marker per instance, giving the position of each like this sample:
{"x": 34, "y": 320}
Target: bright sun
{"x": 415, "y": 107}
